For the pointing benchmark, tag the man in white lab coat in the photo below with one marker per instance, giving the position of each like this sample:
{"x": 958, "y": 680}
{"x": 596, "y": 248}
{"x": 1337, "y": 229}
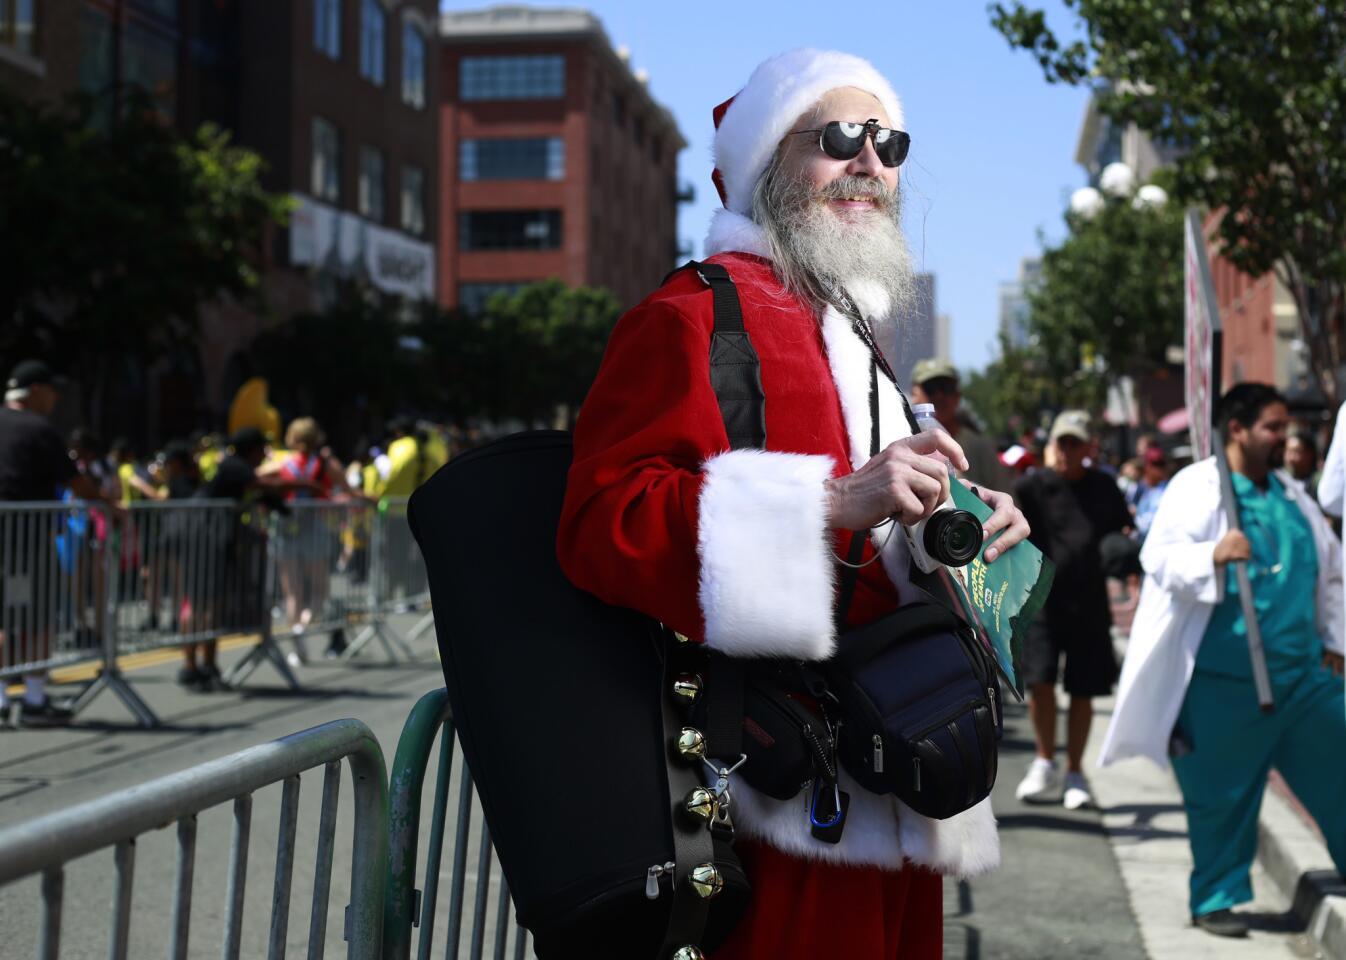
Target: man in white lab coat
{"x": 1186, "y": 688}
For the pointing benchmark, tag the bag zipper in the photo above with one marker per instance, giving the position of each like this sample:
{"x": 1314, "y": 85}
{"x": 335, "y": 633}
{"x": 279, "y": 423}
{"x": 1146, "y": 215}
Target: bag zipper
{"x": 995, "y": 712}
{"x": 652, "y": 878}
{"x": 956, "y": 710}
{"x": 916, "y": 772}
{"x": 878, "y": 753}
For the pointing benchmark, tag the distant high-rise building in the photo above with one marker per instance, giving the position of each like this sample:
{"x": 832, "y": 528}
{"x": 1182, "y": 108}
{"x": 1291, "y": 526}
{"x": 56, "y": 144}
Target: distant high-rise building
{"x": 1014, "y": 301}
{"x": 917, "y": 335}
{"x": 557, "y": 161}
{"x": 1102, "y": 141}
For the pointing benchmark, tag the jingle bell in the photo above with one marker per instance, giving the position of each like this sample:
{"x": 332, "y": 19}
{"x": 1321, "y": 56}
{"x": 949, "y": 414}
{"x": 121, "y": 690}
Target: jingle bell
{"x": 706, "y": 880}
{"x": 691, "y": 744}
{"x": 687, "y": 688}
{"x": 700, "y": 805}
{"x": 688, "y": 953}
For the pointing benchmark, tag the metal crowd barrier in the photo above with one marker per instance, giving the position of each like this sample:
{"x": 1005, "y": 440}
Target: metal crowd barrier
{"x": 398, "y": 582}
{"x": 79, "y": 586}
{"x": 45, "y": 846}
{"x": 406, "y": 906}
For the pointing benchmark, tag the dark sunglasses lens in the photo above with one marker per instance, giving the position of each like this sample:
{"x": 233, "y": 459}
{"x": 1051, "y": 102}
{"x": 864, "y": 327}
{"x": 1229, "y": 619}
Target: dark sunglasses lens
{"x": 893, "y": 150}
{"x": 843, "y": 141}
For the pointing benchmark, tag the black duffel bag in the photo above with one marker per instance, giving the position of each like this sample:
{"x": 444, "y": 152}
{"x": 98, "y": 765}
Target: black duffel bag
{"x": 563, "y": 709}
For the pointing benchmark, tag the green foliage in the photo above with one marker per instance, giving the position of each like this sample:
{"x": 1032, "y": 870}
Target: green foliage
{"x": 531, "y": 351}
{"x": 1110, "y": 301}
{"x": 113, "y": 238}
{"x": 1013, "y": 392}
{"x": 1253, "y": 93}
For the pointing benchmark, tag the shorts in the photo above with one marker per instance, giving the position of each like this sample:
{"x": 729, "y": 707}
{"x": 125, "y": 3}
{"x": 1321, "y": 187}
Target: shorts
{"x": 1086, "y": 643}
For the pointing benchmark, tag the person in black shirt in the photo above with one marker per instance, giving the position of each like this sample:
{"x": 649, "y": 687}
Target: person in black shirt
{"x": 1070, "y": 507}
{"x": 34, "y": 466}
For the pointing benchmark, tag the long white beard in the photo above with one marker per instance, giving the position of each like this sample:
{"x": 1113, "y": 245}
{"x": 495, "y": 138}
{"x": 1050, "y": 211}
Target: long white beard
{"x": 813, "y": 248}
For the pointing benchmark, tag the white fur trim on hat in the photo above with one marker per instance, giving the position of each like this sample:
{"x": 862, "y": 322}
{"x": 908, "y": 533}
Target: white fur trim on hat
{"x": 777, "y": 94}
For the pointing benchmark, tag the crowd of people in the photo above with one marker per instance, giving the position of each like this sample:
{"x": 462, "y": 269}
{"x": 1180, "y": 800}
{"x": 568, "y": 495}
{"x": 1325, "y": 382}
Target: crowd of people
{"x": 181, "y": 594}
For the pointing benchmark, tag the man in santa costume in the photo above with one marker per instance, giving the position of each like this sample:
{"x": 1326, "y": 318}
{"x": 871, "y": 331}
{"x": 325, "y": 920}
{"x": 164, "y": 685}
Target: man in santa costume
{"x": 738, "y": 548}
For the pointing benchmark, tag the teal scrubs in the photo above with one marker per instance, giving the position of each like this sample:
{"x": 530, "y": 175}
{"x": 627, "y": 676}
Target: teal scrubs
{"x": 1226, "y": 745}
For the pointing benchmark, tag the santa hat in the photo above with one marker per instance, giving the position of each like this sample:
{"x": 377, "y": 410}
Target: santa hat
{"x": 750, "y": 124}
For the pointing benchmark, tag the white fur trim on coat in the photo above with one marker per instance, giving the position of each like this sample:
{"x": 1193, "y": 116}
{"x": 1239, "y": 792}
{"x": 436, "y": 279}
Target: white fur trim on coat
{"x": 734, "y": 233}
{"x": 881, "y": 831}
{"x": 779, "y": 91}
{"x": 766, "y": 555}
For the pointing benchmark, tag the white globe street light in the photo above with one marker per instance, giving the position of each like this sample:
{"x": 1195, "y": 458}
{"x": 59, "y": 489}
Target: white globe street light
{"x": 1086, "y": 202}
{"x": 1117, "y": 180}
{"x": 1150, "y": 196}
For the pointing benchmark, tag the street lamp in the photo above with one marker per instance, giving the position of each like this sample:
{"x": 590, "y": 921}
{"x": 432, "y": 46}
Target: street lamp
{"x": 1086, "y": 202}
{"x": 1117, "y": 180}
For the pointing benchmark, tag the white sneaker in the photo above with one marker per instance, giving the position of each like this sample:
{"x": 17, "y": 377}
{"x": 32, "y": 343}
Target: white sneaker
{"x": 1077, "y": 793}
{"x": 1041, "y": 783}
{"x": 294, "y": 659}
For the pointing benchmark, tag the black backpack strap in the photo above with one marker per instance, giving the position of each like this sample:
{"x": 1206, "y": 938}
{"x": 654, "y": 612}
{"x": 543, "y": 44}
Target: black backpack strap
{"x": 735, "y": 373}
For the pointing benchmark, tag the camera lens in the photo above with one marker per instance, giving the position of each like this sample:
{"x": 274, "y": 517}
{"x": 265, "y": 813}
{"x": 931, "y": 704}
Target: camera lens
{"x": 953, "y": 537}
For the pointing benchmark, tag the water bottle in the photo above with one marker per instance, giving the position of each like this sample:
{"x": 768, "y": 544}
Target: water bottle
{"x": 927, "y": 423}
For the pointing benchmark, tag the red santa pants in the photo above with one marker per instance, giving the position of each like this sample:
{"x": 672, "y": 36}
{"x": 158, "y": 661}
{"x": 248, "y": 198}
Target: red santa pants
{"x": 801, "y": 909}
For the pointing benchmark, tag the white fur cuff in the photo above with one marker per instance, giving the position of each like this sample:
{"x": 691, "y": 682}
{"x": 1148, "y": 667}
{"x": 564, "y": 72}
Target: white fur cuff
{"x": 766, "y": 557}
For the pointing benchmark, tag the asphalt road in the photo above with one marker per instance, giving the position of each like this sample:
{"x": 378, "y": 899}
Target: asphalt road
{"x": 1084, "y": 884}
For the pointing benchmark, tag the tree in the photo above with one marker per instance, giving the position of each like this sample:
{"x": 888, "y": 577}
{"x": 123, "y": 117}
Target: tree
{"x": 113, "y": 237}
{"x": 1110, "y": 300}
{"x": 1013, "y": 392}
{"x": 1253, "y": 94}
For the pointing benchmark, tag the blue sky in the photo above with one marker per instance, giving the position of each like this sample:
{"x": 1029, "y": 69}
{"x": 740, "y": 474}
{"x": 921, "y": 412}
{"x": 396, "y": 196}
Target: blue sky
{"x": 992, "y": 143}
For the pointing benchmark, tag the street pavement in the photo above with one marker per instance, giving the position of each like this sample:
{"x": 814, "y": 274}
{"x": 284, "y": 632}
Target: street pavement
{"x": 1106, "y": 884}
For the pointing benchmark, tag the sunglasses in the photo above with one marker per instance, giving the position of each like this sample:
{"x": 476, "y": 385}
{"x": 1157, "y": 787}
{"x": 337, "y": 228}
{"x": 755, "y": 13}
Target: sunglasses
{"x": 843, "y": 140}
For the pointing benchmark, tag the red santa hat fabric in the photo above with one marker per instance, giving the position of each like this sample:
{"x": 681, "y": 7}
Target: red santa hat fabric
{"x": 751, "y": 123}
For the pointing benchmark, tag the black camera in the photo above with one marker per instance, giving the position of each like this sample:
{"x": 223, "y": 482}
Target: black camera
{"x": 948, "y": 536}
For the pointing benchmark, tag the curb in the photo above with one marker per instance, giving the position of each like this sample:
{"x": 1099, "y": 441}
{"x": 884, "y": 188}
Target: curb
{"x": 1295, "y": 857}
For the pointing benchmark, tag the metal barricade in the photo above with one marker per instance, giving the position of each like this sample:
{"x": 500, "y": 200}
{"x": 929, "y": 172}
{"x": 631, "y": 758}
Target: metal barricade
{"x": 398, "y": 582}
{"x": 316, "y": 583}
{"x": 407, "y": 907}
{"x": 45, "y": 846}
{"x": 58, "y": 591}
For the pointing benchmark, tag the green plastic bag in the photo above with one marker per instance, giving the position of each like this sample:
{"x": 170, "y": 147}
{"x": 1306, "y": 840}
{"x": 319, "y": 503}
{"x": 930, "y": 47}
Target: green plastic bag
{"x": 1003, "y": 597}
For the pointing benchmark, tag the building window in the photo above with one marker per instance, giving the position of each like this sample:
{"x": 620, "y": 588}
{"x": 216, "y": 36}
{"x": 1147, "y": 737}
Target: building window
{"x": 473, "y": 297}
{"x": 326, "y": 177}
{"x": 18, "y": 25}
{"x": 327, "y": 27}
{"x": 413, "y": 200}
{"x": 512, "y": 78}
{"x": 510, "y": 230}
{"x": 540, "y": 158}
{"x": 150, "y": 64}
{"x": 372, "y": 179}
{"x": 413, "y": 65}
{"x": 373, "y": 29}
{"x": 656, "y": 151}
{"x": 638, "y": 130}
{"x": 619, "y": 110}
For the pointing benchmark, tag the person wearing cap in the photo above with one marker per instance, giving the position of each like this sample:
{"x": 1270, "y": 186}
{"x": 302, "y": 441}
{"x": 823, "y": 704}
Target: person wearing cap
{"x": 1153, "y": 482}
{"x": 935, "y": 382}
{"x": 1071, "y": 507}
{"x": 34, "y": 466}
{"x": 738, "y": 548}
{"x": 1187, "y": 693}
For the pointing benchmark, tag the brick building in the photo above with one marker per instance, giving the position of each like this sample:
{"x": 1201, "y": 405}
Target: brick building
{"x": 338, "y": 96}
{"x": 556, "y": 161}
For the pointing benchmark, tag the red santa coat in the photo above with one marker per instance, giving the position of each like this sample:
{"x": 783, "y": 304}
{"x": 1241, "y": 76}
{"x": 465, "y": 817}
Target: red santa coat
{"x": 732, "y": 547}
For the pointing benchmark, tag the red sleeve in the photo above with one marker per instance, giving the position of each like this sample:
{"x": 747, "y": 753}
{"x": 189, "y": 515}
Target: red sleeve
{"x": 628, "y": 526}
{"x": 729, "y": 546}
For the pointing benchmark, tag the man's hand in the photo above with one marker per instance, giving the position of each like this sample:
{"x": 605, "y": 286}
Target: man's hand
{"x": 1233, "y": 546}
{"x": 903, "y": 480}
{"x": 1006, "y": 517}
{"x": 1334, "y": 662}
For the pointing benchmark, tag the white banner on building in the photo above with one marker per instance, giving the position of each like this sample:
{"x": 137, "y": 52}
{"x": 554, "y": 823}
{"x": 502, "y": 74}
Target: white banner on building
{"x": 335, "y": 240}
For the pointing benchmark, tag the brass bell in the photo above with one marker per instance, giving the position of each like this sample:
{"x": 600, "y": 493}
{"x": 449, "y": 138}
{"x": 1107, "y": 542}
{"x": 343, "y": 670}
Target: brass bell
{"x": 688, "y": 952}
{"x": 691, "y": 744}
{"x": 687, "y": 688}
{"x": 706, "y": 880}
{"x": 700, "y": 804}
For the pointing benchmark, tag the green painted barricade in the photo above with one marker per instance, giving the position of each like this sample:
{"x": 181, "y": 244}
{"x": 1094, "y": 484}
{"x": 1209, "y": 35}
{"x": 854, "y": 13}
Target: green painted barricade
{"x": 405, "y": 906}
